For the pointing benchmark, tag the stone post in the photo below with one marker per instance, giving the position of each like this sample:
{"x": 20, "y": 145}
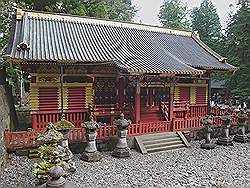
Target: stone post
{"x": 225, "y": 140}
{"x": 90, "y": 153}
{"x": 242, "y": 122}
{"x": 122, "y": 150}
{"x": 208, "y": 122}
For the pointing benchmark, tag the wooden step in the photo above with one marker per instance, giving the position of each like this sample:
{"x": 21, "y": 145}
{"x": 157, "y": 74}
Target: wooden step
{"x": 162, "y": 144}
{"x": 159, "y": 136}
{"x": 169, "y": 147}
{"x": 151, "y": 143}
{"x": 160, "y": 140}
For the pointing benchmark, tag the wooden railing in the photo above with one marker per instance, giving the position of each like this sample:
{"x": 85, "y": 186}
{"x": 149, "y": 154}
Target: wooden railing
{"x": 41, "y": 119}
{"x": 20, "y": 139}
{"x": 196, "y": 123}
{"x": 27, "y": 139}
{"x": 197, "y": 110}
{"x": 186, "y": 124}
{"x": 181, "y": 109}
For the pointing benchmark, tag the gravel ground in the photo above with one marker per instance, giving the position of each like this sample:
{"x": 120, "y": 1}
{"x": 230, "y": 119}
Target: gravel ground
{"x": 221, "y": 167}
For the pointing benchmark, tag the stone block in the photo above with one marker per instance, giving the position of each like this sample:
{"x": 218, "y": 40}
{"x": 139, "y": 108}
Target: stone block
{"x": 91, "y": 157}
{"x": 208, "y": 145}
{"x": 121, "y": 152}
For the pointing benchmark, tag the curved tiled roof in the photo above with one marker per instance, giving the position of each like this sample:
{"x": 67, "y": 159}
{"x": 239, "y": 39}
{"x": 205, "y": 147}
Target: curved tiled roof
{"x": 134, "y": 47}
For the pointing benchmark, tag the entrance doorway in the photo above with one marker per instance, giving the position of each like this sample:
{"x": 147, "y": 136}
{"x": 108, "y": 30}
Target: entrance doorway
{"x": 153, "y": 96}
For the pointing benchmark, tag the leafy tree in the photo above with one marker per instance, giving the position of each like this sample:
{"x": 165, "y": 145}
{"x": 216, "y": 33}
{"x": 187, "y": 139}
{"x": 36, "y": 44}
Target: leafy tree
{"x": 174, "y": 14}
{"x": 112, "y": 9}
{"x": 206, "y": 21}
{"x": 237, "y": 49}
{"x": 6, "y": 7}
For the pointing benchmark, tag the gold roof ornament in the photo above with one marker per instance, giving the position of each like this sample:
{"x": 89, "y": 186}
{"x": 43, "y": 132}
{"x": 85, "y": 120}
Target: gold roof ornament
{"x": 23, "y": 46}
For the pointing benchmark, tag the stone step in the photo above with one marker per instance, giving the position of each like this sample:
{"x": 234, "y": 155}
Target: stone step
{"x": 163, "y": 144}
{"x": 165, "y": 148}
{"x": 33, "y": 154}
{"x": 158, "y": 136}
{"x": 160, "y": 140}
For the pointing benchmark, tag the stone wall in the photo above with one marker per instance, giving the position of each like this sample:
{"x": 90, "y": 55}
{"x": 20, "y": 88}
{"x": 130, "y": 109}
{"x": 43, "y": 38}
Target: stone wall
{"x": 24, "y": 120}
{"x": 8, "y": 118}
{"x": 4, "y": 124}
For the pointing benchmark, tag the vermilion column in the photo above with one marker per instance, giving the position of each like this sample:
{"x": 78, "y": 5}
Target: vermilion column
{"x": 137, "y": 102}
{"x": 171, "y": 103}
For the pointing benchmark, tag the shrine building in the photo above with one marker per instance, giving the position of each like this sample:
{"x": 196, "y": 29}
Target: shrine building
{"x": 81, "y": 65}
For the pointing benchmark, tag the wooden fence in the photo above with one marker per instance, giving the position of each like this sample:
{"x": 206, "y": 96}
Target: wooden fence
{"x": 41, "y": 119}
{"x": 25, "y": 139}
{"x": 22, "y": 139}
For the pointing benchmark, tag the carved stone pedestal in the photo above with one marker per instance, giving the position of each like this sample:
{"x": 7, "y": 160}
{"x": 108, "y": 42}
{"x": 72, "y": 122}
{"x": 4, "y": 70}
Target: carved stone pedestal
{"x": 90, "y": 153}
{"x": 208, "y": 122}
{"x": 225, "y": 140}
{"x": 241, "y": 138}
{"x": 208, "y": 145}
{"x": 122, "y": 150}
{"x": 91, "y": 157}
{"x": 241, "y": 135}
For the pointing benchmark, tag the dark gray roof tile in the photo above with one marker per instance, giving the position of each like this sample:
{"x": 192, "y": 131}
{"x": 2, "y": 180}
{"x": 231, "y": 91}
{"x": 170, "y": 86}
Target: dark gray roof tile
{"x": 137, "y": 47}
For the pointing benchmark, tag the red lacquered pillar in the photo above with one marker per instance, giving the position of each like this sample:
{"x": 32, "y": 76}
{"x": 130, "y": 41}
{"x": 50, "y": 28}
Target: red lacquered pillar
{"x": 171, "y": 103}
{"x": 137, "y": 102}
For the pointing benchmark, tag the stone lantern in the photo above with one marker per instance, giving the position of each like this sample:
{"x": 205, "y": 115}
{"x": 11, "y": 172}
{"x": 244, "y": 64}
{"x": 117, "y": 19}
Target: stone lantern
{"x": 242, "y": 122}
{"x": 225, "y": 140}
{"x": 56, "y": 179}
{"x": 63, "y": 126}
{"x": 52, "y": 149}
{"x": 208, "y": 122}
{"x": 90, "y": 153}
{"x": 122, "y": 150}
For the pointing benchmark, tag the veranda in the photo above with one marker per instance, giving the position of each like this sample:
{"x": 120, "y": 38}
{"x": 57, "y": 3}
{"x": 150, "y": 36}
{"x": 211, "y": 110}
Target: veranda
{"x": 153, "y": 103}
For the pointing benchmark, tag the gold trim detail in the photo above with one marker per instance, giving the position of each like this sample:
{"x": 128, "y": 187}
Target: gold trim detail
{"x": 112, "y": 23}
{"x": 19, "y": 14}
{"x": 193, "y": 95}
{"x": 176, "y": 93}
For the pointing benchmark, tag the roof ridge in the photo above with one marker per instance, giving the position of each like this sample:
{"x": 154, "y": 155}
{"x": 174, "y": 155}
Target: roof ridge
{"x": 102, "y": 21}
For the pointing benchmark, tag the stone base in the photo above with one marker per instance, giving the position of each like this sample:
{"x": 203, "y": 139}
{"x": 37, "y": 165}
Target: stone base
{"x": 121, "y": 152}
{"x": 91, "y": 157}
{"x": 66, "y": 185}
{"x": 242, "y": 138}
{"x": 208, "y": 146}
{"x": 225, "y": 141}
